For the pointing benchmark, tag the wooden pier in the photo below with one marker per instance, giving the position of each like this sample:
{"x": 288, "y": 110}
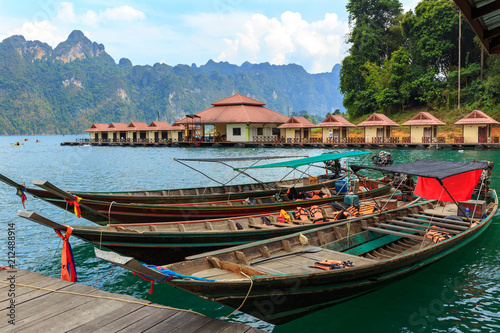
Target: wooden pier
{"x": 202, "y": 144}
{"x": 37, "y": 303}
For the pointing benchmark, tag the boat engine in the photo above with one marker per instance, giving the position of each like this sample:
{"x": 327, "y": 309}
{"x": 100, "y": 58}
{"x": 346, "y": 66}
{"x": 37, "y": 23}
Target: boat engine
{"x": 382, "y": 159}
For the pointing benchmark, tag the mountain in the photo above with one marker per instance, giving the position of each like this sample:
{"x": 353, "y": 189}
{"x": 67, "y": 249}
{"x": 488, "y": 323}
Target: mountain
{"x": 65, "y": 89}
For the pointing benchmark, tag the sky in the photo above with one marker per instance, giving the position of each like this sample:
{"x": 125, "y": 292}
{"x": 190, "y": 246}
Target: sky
{"x": 309, "y": 33}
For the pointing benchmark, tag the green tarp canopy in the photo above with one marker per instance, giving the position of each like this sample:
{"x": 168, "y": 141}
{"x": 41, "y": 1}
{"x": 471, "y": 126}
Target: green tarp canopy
{"x": 308, "y": 160}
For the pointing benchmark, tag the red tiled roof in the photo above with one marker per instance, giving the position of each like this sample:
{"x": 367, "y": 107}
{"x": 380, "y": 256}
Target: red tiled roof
{"x": 424, "y": 118}
{"x": 98, "y": 128}
{"x": 335, "y": 121}
{"x": 377, "y": 119}
{"x": 238, "y": 99}
{"x": 137, "y": 126}
{"x": 297, "y": 122}
{"x": 246, "y": 111}
{"x": 160, "y": 126}
{"x": 476, "y": 117}
{"x": 117, "y": 127}
{"x": 178, "y": 127}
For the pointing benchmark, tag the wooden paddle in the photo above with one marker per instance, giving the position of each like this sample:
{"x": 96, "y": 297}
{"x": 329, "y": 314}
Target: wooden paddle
{"x": 308, "y": 250}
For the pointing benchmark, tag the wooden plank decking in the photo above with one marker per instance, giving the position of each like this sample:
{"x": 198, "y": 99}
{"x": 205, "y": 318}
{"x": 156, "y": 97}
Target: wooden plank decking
{"x": 45, "y": 304}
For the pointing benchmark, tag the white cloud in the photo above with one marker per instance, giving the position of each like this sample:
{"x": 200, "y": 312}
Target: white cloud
{"x": 62, "y": 19}
{"x": 66, "y": 12}
{"x": 44, "y": 31}
{"x": 123, "y": 13}
{"x": 317, "y": 46}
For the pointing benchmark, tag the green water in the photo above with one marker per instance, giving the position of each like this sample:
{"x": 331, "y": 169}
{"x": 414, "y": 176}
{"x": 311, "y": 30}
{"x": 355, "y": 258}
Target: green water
{"x": 458, "y": 294}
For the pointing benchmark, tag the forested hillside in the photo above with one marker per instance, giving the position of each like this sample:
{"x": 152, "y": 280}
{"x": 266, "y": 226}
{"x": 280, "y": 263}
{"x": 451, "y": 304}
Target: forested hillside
{"x": 411, "y": 60}
{"x": 64, "y": 90}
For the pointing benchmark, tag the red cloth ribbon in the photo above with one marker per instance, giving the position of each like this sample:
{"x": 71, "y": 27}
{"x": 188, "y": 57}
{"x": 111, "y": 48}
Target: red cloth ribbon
{"x": 151, "y": 280}
{"x": 21, "y": 193}
{"x": 68, "y": 270}
{"x": 75, "y": 203}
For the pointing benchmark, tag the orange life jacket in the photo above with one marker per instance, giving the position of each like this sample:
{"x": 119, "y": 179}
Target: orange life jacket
{"x": 332, "y": 264}
{"x": 301, "y": 214}
{"x": 284, "y": 217}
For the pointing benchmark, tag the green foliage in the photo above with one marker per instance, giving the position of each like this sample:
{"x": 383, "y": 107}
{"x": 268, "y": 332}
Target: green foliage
{"x": 374, "y": 36}
{"x": 420, "y": 64}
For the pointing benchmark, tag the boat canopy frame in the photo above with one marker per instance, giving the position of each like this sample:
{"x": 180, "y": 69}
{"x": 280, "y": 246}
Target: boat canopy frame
{"x": 438, "y": 170}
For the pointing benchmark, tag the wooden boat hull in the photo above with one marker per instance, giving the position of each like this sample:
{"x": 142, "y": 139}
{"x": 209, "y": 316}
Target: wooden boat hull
{"x": 136, "y": 213}
{"x": 188, "y": 195}
{"x": 162, "y": 243}
{"x": 281, "y": 298}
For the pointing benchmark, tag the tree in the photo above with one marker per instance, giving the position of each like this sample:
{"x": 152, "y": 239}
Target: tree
{"x": 374, "y": 36}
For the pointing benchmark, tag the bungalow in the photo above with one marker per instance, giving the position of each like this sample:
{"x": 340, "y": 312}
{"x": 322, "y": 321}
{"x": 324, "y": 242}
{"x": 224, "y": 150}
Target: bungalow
{"x": 98, "y": 132}
{"x": 137, "y": 132}
{"x": 476, "y": 128}
{"x": 117, "y": 132}
{"x": 338, "y": 126}
{"x": 159, "y": 131}
{"x": 296, "y": 129}
{"x": 424, "y": 128}
{"x": 239, "y": 119}
{"x": 378, "y": 128}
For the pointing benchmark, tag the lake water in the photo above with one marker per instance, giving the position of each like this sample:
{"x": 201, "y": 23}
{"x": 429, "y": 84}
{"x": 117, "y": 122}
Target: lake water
{"x": 460, "y": 293}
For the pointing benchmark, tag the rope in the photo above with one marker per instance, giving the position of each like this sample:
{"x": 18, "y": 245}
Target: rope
{"x": 244, "y": 300}
{"x": 109, "y": 213}
{"x": 102, "y": 297}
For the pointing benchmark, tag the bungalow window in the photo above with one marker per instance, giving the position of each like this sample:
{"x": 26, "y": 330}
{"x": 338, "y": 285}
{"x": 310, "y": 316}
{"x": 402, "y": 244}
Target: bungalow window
{"x": 276, "y": 131}
{"x": 236, "y": 131}
{"x": 260, "y": 131}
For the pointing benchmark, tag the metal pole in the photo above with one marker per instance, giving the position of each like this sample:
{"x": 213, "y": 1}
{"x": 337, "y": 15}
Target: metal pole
{"x": 456, "y": 203}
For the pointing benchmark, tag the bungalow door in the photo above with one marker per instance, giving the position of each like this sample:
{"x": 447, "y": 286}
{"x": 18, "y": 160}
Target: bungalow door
{"x": 297, "y": 135}
{"x": 336, "y": 135}
{"x": 380, "y": 132}
{"x": 482, "y": 133}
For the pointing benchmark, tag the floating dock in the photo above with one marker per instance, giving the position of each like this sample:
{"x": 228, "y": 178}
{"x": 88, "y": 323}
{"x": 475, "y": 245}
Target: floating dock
{"x": 32, "y": 302}
{"x": 476, "y": 146}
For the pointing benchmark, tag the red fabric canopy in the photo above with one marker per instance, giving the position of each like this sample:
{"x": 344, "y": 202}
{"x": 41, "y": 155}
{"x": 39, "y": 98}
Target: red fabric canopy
{"x": 460, "y": 186}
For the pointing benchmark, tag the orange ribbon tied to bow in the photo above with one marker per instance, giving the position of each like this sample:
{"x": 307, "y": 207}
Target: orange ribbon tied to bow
{"x": 68, "y": 270}
{"x": 75, "y": 203}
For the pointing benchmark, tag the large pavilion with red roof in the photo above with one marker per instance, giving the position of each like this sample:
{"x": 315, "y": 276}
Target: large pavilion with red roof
{"x": 476, "y": 127}
{"x": 378, "y": 128}
{"x": 424, "y": 128}
{"x": 238, "y": 119}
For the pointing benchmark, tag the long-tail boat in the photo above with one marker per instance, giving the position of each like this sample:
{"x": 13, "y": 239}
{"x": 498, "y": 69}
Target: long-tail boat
{"x": 156, "y": 242}
{"x": 208, "y": 194}
{"x": 102, "y": 212}
{"x": 284, "y": 278}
